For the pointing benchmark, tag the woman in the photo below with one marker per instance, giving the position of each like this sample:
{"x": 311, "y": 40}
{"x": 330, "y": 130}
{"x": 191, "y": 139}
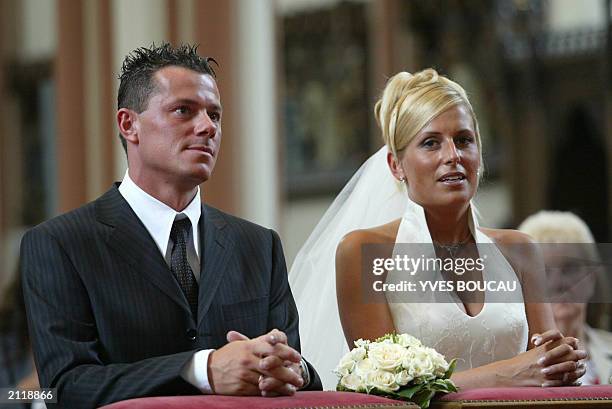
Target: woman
{"x": 555, "y": 227}
{"x": 434, "y": 156}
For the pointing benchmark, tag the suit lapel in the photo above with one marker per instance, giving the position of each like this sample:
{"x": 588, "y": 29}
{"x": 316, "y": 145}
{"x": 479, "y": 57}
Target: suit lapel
{"x": 217, "y": 248}
{"x": 133, "y": 243}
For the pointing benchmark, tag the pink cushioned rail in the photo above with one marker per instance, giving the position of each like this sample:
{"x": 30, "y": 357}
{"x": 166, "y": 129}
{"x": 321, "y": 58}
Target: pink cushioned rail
{"x": 569, "y": 392}
{"x": 302, "y": 400}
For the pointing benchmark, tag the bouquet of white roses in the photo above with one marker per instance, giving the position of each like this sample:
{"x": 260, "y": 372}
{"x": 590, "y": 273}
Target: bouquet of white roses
{"x": 396, "y": 366}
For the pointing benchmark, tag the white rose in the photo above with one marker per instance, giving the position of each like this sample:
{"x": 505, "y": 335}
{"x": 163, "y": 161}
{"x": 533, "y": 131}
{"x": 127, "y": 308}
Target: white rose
{"x": 418, "y": 362}
{"x": 402, "y": 378}
{"x": 427, "y": 365}
{"x": 383, "y": 380}
{"x": 357, "y": 354}
{"x": 364, "y": 367}
{"x": 353, "y": 382}
{"x": 407, "y": 341}
{"x": 408, "y": 362}
{"x": 362, "y": 343}
{"x": 440, "y": 364}
{"x": 387, "y": 356}
{"x": 345, "y": 366}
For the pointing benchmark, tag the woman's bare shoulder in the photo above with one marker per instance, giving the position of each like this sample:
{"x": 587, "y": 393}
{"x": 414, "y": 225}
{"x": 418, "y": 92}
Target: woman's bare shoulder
{"x": 352, "y": 242}
{"x": 507, "y": 236}
{"x": 519, "y": 249}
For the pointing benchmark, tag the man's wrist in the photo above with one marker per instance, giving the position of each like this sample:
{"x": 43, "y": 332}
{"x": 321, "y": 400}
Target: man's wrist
{"x": 196, "y": 371}
{"x": 305, "y": 372}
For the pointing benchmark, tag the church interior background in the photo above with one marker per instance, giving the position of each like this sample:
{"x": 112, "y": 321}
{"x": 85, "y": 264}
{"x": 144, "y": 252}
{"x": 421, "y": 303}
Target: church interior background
{"x": 298, "y": 80}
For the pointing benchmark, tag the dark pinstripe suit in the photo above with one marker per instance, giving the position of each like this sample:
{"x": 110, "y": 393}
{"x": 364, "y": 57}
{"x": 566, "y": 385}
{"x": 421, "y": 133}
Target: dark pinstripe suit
{"x": 108, "y": 320}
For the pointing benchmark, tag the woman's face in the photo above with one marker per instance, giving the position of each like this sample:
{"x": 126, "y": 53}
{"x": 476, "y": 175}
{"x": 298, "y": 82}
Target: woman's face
{"x": 441, "y": 162}
{"x": 571, "y": 283}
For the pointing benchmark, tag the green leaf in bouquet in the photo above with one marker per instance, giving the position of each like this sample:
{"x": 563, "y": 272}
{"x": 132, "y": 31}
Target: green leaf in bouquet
{"x": 440, "y": 385}
{"x": 423, "y": 397}
{"x": 409, "y": 392}
{"x": 379, "y": 392}
{"x": 341, "y": 388}
{"x": 451, "y": 386}
{"x": 391, "y": 336}
{"x": 444, "y": 386}
{"x": 451, "y": 369}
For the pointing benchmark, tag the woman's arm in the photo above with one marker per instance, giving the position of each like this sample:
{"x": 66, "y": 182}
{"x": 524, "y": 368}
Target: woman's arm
{"x": 551, "y": 362}
{"x": 529, "y": 264}
{"x": 523, "y": 254}
{"x": 359, "y": 319}
{"x": 546, "y": 365}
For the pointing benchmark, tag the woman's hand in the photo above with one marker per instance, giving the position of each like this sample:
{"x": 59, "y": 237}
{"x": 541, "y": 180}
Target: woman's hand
{"x": 550, "y": 335}
{"x": 560, "y": 364}
{"x": 554, "y": 362}
{"x": 571, "y": 376}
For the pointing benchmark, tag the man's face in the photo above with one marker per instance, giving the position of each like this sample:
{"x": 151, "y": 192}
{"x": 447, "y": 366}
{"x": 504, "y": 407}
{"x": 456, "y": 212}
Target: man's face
{"x": 179, "y": 133}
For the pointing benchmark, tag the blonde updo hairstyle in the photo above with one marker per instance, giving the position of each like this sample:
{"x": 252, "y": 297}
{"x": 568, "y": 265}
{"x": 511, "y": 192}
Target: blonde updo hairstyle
{"x": 411, "y": 101}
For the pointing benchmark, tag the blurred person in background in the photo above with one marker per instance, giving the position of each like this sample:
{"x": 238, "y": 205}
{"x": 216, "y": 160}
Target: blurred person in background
{"x": 16, "y": 364}
{"x": 558, "y": 227}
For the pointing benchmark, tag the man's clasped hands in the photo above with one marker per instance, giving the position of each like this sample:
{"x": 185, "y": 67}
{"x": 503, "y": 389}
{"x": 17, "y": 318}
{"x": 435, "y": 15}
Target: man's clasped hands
{"x": 265, "y": 366}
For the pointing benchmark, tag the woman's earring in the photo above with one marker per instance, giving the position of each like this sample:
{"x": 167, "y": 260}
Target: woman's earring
{"x": 402, "y": 179}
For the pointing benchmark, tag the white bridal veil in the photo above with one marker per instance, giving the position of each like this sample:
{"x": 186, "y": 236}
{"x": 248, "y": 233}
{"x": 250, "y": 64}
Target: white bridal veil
{"x": 372, "y": 197}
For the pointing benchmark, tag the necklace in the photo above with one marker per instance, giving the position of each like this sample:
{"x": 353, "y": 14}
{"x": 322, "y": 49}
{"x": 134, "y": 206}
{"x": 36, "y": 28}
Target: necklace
{"x": 453, "y": 249}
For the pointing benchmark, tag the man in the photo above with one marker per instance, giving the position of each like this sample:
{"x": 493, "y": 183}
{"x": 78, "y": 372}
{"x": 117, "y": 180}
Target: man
{"x": 138, "y": 293}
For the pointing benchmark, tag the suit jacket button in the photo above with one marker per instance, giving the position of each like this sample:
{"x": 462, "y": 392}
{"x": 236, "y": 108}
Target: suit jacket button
{"x": 192, "y": 334}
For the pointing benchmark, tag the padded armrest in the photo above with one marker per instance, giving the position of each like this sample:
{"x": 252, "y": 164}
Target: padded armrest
{"x": 582, "y": 397}
{"x": 319, "y": 400}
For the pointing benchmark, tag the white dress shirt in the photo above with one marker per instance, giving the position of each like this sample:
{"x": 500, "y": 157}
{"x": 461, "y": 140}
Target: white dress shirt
{"x": 158, "y": 218}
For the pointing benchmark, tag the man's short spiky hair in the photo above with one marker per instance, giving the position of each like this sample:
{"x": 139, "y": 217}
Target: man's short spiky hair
{"x": 136, "y": 82}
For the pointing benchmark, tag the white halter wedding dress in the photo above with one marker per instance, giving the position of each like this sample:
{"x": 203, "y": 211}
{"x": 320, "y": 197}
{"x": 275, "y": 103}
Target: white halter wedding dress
{"x": 499, "y": 331}
{"x": 371, "y": 198}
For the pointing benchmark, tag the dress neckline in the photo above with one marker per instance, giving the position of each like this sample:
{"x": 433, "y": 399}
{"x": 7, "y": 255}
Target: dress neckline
{"x": 413, "y": 229}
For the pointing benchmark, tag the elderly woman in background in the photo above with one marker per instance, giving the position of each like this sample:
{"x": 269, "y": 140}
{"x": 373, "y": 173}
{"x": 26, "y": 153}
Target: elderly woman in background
{"x": 565, "y": 227}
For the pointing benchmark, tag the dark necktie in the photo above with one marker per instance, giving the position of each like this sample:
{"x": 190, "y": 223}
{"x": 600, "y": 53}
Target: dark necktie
{"x": 180, "y": 266}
